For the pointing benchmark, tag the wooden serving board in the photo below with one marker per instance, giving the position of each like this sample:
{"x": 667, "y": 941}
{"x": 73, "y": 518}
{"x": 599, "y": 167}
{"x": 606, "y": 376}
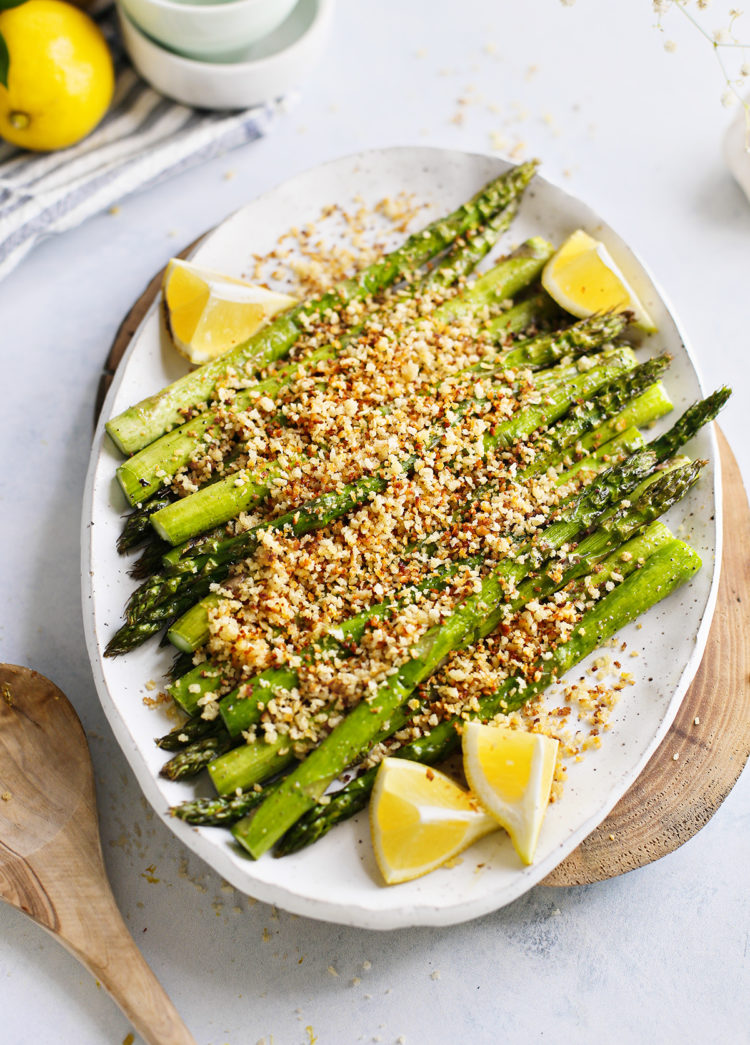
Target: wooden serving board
{"x": 674, "y": 797}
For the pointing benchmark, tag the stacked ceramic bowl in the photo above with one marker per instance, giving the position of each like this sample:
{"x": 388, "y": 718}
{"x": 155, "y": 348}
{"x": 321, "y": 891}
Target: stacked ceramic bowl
{"x": 224, "y": 54}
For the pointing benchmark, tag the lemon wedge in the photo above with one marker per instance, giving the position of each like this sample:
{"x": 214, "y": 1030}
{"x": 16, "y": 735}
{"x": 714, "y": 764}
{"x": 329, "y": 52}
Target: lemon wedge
{"x": 510, "y": 771}
{"x": 583, "y": 279}
{"x": 208, "y": 313}
{"x": 419, "y": 819}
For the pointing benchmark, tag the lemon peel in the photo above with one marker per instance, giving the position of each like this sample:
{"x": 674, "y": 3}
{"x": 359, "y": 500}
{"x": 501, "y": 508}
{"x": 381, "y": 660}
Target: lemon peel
{"x": 510, "y": 771}
{"x": 583, "y": 278}
{"x": 207, "y": 313}
{"x": 420, "y": 818}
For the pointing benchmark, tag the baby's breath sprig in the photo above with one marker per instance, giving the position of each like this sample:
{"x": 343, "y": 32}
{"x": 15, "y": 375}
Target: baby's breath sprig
{"x": 722, "y": 41}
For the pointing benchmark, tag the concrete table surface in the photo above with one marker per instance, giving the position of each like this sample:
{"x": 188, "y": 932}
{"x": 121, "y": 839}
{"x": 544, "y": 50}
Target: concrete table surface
{"x": 662, "y": 954}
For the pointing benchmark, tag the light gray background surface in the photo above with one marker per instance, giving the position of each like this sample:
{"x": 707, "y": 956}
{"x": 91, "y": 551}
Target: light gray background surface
{"x": 662, "y": 954}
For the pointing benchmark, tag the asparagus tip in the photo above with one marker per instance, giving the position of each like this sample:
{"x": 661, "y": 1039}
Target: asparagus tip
{"x": 115, "y": 647}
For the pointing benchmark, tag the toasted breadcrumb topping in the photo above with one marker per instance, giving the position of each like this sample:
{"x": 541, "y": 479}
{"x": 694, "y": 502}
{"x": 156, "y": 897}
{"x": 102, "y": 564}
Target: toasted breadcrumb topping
{"x": 381, "y": 389}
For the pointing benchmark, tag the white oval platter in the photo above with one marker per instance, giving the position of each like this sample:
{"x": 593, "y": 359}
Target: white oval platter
{"x": 336, "y": 879}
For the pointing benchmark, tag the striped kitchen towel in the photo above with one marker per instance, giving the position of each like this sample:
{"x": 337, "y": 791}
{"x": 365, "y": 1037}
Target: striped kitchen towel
{"x": 144, "y": 138}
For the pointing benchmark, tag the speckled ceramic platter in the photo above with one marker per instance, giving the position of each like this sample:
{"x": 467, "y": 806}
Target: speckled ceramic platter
{"x": 336, "y": 879}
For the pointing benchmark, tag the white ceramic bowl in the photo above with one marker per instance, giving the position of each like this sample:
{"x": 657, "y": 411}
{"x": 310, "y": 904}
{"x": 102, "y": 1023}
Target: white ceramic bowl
{"x": 278, "y": 62}
{"x": 737, "y": 150}
{"x": 208, "y": 32}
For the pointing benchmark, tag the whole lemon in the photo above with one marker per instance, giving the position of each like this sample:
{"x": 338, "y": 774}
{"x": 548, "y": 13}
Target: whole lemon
{"x": 60, "y": 78}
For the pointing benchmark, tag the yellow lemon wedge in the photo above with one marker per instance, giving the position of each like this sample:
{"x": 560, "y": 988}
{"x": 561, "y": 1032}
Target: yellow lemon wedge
{"x": 419, "y": 819}
{"x": 208, "y": 313}
{"x": 510, "y": 771}
{"x": 583, "y": 279}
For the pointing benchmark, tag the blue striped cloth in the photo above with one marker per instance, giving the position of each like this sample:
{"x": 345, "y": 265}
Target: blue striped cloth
{"x": 144, "y": 138}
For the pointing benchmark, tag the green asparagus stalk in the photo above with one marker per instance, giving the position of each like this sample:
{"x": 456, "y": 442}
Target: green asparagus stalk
{"x": 565, "y": 385}
{"x": 221, "y": 501}
{"x": 138, "y": 528}
{"x": 152, "y": 467}
{"x": 636, "y": 398}
{"x": 665, "y": 569}
{"x": 191, "y": 630}
{"x": 187, "y": 690}
{"x": 432, "y": 747}
{"x": 536, "y": 310}
{"x": 140, "y": 424}
{"x": 196, "y": 756}
{"x": 252, "y": 762}
{"x": 160, "y": 601}
{"x": 531, "y": 312}
{"x": 632, "y": 399}
{"x": 181, "y": 663}
{"x": 476, "y": 618}
{"x": 241, "y": 708}
{"x": 352, "y": 797}
{"x": 182, "y": 736}
{"x": 642, "y": 410}
{"x": 600, "y": 407}
{"x": 478, "y": 615}
{"x": 150, "y": 559}
{"x": 163, "y": 458}
{"x": 215, "y": 812}
{"x": 239, "y": 713}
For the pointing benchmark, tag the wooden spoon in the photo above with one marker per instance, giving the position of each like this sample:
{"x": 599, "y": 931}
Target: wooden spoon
{"x": 51, "y": 865}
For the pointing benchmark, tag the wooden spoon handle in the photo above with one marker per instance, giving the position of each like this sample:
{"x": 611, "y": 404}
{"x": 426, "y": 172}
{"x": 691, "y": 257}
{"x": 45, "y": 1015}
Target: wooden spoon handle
{"x": 113, "y": 958}
{"x": 64, "y": 887}
{"x": 51, "y": 864}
